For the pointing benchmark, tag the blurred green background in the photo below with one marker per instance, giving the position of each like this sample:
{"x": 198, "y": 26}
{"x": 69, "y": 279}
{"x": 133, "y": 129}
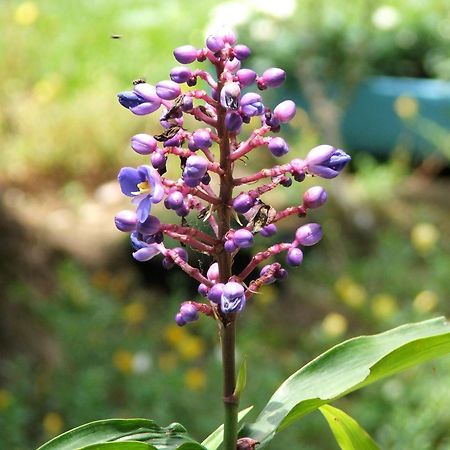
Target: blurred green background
{"x": 86, "y": 333}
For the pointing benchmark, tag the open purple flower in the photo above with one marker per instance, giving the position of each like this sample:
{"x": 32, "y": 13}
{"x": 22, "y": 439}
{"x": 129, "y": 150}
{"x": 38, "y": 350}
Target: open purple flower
{"x": 233, "y": 298}
{"x": 143, "y": 251}
{"x": 144, "y": 186}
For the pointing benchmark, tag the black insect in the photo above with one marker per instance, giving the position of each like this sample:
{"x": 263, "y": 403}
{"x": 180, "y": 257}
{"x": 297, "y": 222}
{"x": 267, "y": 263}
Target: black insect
{"x": 138, "y": 81}
{"x": 116, "y": 36}
{"x": 167, "y": 134}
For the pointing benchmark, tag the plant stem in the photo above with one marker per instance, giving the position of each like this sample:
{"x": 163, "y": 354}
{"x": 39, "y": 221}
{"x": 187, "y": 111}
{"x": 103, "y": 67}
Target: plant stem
{"x": 227, "y": 323}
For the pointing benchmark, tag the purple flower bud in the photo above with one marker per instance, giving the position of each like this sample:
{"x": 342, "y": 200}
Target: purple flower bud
{"x": 264, "y": 271}
{"x": 233, "y": 298}
{"x": 213, "y": 272}
{"x": 246, "y": 443}
{"x": 179, "y": 320}
{"x": 251, "y": 104}
{"x": 168, "y": 90}
{"x": 188, "y": 103}
{"x": 285, "y": 111}
{"x": 215, "y": 293}
{"x": 281, "y": 274}
{"x": 188, "y": 312}
{"x": 268, "y": 230}
{"x": 227, "y": 35}
{"x": 136, "y": 104}
{"x": 167, "y": 263}
{"x": 241, "y": 52}
{"x": 246, "y": 77}
{"x": 158, "y": 160}
{"x": 294, "y": 257}
{"x": 287, "y": 182}
{"x": 202, "y": 289}
{"x": 308, "y": 234}
{"x": 243, "y": 203}
{"x": 182, "y": 211}
{"x": 150, "y": 226}
{"x": 205, "y": 179}
{"x": 180, "y": 74}
{"x": 125, "y": 221}
{"x": 278, "y": 146}
{"x": 195, "y": 168}
{"x": 299, "y": 176}
{"x": 185, "y": 54}
{"x": 174, "y": 200}
{"x": 233, "y": 66}
{"x": 326, "y": 161}
{"x": 274, "y": 77}
{"x": 229, "y": 95}
{"x": 314, "y": 197}
{"x": 233, "y": 121}
{"x": 191, "y": 182}
{"x": 230, "y": 246}
{"x": 202, "y": 139}
{"x": 215, "y": 43}
{"x": 174, "y": 141}
{"x": 148, "y": 93}
{"x": 243, "y": 238}
{"x": 143, "y": 144}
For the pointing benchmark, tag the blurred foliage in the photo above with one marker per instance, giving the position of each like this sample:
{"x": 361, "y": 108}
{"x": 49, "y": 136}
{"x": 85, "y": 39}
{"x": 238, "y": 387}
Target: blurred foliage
{"x": 99, "y": 342}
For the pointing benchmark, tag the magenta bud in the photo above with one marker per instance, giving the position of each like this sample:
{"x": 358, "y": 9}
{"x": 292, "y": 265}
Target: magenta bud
{"x": 285, "y": 111}
{"x": 174, "y": 200}
{"x": 274, "y": 77}
{"x": 230, "y": 246}
{"x": 195, "y": 168}
{"x": 185, "y": 54}
{"x": 215, "y": 293}
{"x": 150, "y": 226}
{"x": 215, "y": 43}
{"x": 243, "y": 203}
{"x": 243, "y": 238}
{"x": 278, "y": 146}
{"x": 268, "y": 230}
{"x": 202, "y": 289}
{"x": 233, "y": 66}
{"x": 213, "y": 272}
{"x": 314, "y": 197}
{"x": 180, "y": 74}
{"x": 125, "y": 220}
{"x": 158, "y": 160}
{"x": 202, "y": 139}
{"x": 168, "y": 90}
{"x": 233, "y": 121}
{"x": 144, "y": 144}
{"x": 246, "y": 77}
{"x": 241, "y": 52}
{"x": 264, "y": 271}
{"x": 294, "y": 257}
{"x": 308, "y": 234}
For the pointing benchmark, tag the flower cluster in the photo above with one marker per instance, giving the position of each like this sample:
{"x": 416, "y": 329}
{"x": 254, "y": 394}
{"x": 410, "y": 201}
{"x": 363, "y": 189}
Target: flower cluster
{"x": 206, "y": 185}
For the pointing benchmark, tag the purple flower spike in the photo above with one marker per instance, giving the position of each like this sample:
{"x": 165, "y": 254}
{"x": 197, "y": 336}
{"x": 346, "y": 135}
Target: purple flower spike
{"x": 233, "y": 121}
{"x": 215, "y": 43}
{"x": 125, "y": 221}
{"x": 174, "y": 200}
{"x": 213, "y": 272}
{"x": 185, "y": 54}
{"x": 274, "y": 77}
{"x": 168, "y": 90}
{"x": 188, "y": 312}
{"x": 278, "y": 147}
{"x": 264, "y": 270}
{"x": 180, "y": 74}
{"x": 243, "y": 203}
{"x": 326, "y": 161}
{"x": 243, "y": 238}
{"x": 241, "y": 52}
{"x": 144, "y": 144}
{"x": 309, "y": 234}
{"x": 229, "y": 95}
{"x": 246, "y": 77}
{"x": 233, "y": 298}
{"x": 195, "y": 168}
{"x": 215, "y": 293}
{"x": 268, "y": 230}
{"x": 294, "y": 257}
{"x": 314, "y": 197}
{"x": 285, "y": 111}
{"x": 202, "y": 139}
{"x": 251, "y": 104}
{"x": 150, "y": 226}
{"x": 144, "y": 186}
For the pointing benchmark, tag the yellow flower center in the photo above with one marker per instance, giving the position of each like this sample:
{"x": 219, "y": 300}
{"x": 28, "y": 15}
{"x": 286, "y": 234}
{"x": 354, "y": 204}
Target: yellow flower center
{"x": 144, "y": 188}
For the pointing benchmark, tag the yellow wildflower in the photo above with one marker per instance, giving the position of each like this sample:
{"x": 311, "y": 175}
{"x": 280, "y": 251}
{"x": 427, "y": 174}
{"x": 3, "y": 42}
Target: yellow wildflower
{"x": 195, "y": 379}
{"x": 424, "y": 237}
{"x": 135, "y": 313}
{"x": 26, "y": 13}
{"x": 350, "y": 292}
{"x": 425, "y": 301}
{"x": 334, "y": 324}
{"x": 123, "y": 361}
{"x": 383, "y": 305}
{"x": 53, "y": 424}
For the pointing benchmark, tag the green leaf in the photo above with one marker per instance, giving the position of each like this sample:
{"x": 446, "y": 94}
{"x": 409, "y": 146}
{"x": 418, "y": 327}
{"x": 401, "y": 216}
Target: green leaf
{"x": 213, "y": 441}
{"x": 123, "y": 430}
{"x": 130, "y": 445}
{"x": 347, "y": 431}
{"x": 241, "y": 379}
{"x": 349, "y": 366}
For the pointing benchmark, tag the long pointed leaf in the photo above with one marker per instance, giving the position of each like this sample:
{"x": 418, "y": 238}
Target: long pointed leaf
{"x": 130, "y": 445}
{"x": 347, "y": 432}
{"x": 347, "y": 367}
